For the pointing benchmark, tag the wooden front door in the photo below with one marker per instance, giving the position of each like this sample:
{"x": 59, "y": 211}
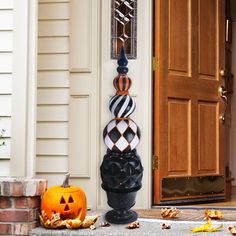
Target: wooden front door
{"x": 189, "y": 126}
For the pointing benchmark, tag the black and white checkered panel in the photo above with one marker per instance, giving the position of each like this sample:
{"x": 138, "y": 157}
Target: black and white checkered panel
{"x": 122, "y": 106}
{"x": 121, "y": 135}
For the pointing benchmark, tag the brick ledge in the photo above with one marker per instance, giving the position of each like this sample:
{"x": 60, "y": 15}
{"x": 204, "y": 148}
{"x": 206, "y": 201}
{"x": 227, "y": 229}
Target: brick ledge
{"x": 18, "y": 187}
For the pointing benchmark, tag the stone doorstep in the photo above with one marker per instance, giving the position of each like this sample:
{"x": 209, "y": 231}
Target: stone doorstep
{"x": 148, "y": 227}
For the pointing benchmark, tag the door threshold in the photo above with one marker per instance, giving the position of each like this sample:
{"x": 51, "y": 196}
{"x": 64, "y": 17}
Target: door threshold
{"x": 196, "y": 207}
{"x": 192, "y": 201}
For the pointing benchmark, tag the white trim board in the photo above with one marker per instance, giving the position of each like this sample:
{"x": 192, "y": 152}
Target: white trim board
{"x": 23, "y": 88}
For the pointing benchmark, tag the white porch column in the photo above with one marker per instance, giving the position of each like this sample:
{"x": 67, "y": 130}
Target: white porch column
{"x": 24, "y": 88}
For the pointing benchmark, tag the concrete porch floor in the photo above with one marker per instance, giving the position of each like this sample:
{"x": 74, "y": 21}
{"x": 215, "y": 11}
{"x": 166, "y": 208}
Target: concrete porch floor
{"x": 147, "y": 228}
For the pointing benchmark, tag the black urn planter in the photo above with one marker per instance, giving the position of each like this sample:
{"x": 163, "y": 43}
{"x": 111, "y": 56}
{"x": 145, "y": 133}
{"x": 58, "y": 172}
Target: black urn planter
{"x": 121, "y": 169}
{"x": 121, "y": 179}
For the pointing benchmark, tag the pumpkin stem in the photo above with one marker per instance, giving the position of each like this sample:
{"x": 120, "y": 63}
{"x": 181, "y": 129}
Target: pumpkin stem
{"x": 66, "y": 181}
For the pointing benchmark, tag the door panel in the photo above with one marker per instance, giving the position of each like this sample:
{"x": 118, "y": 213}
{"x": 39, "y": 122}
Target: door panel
{"x": 208, "y": 155}
{"x": 178, "y": 137}
{"x": 208, "y": 45}
{"x": 178, "y": 36}
{"x": 188, "y": 137}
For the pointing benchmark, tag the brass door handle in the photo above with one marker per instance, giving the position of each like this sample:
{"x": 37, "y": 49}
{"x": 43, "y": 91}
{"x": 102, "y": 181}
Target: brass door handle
{"x": 223, "y": 93}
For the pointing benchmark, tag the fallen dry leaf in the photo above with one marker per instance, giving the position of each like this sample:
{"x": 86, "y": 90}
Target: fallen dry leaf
{"x": 207, "y": 227}
{"x": 73, "y": 224}
{"x": 57, "y": 223}
{"x": 133, "y": 225}
{"x": 232, "y": 230}
{"x": 89, "y": 220}
{"x": 92, "y": 227}
{"x": 165, "y": 226}
{"x": 214, "y": 214}
{"x": 169, "y": 213}
{"x": 105, "y": 224}
{"x": 54, "y": 223}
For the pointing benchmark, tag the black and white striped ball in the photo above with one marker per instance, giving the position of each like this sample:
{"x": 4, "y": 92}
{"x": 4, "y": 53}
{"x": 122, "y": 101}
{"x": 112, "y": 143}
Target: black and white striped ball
{"x": 122, "y": 106}
{"x": 121, "y": 135}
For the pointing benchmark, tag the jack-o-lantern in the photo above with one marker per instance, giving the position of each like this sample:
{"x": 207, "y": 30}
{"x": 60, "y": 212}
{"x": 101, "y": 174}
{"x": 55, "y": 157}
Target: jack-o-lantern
{"x": 69, "y": 201}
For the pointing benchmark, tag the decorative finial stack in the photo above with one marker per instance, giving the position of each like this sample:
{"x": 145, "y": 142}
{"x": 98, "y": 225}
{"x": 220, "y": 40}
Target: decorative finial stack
{"x": 121, "y": 169}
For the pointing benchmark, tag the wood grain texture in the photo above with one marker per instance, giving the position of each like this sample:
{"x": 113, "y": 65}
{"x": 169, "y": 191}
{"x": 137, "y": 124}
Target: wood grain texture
{"x": 207, "y": 37}
{"x": 208, "y": 138}
{"x": 179, "y": 23}
{"x": 179, "y": 138}
{"x": 188, "y": 138}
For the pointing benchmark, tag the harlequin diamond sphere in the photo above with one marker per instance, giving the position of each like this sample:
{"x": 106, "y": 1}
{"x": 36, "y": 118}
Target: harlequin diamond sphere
{"x": 122, "y": 105}
{"x": 121, "y": 135}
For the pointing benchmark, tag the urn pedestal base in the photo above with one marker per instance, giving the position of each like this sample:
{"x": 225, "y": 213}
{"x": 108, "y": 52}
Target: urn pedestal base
{"x": 121, "y": 203}
{"x": 121, "y": 216}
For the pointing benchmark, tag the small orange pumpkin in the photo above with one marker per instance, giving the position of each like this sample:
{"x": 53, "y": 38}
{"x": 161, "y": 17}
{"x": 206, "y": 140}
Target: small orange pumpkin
{"x": 69, "y": 201}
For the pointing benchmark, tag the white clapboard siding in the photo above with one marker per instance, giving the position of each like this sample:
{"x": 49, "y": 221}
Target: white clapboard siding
{"x": 52, "y": 113}
{"x": 5, "y": 150}
{"x": 50, "y": 130}
{"x": 5, "y": 83}
{"x": 52, "y": 164}
{"x": 6, "y": 41}
{"x": 53, "y": 11}
{"x": 53, "y": 28}
{"x": 6, "y": 62}
{"x": 53, "y": 1}
{"x": 6, "y": 4}
{"x": 53, "y": 89}
{"x": 52, "y": 178}
{"x": 53, "y": 45}
{"x": 6, "y": 19}
{"x": 5, "y": 124}
{"x": 5, "y": 104}
{"x": 53, "y": 62}
{"x": 53, "y": 96}
{"x": 52, "y": 147}
{"x": 6, "y": 52}
{"x": 53, "y": 79}
{"x": 4, "y": 167}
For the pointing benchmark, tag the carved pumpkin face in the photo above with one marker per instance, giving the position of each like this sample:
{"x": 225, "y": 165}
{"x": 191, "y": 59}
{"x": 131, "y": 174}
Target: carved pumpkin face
{"x": 69, "y": 201}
